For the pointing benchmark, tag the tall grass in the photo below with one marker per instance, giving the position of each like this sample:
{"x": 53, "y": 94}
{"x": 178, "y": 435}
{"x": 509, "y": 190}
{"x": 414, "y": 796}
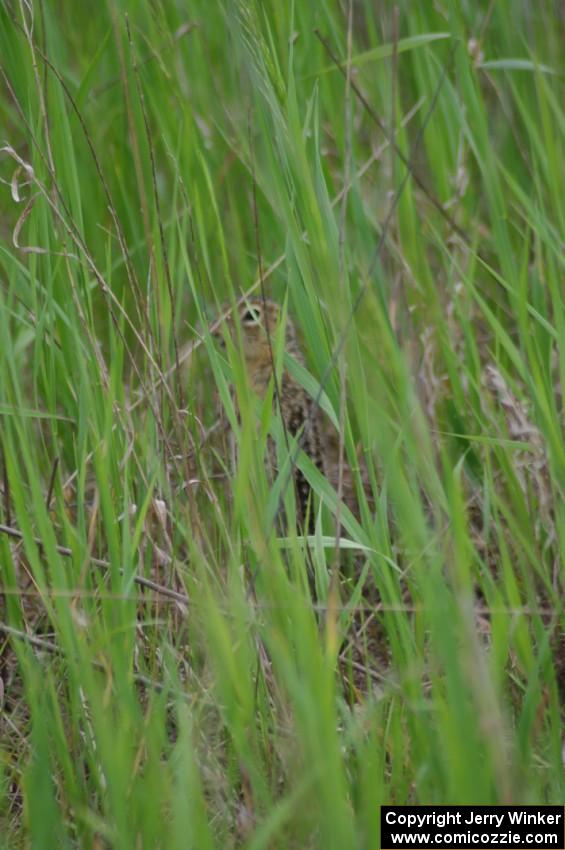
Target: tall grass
{"x": 394, "y": 177}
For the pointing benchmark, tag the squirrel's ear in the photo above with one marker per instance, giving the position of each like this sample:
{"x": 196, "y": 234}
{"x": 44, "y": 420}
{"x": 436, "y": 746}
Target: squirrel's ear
{"x": 251, "y": 315}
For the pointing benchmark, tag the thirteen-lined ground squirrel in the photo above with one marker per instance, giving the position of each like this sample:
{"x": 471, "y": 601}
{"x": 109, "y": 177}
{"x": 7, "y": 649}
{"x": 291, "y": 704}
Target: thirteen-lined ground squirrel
{"x": 260, "y": 323}
{"x": 364, "y": 653}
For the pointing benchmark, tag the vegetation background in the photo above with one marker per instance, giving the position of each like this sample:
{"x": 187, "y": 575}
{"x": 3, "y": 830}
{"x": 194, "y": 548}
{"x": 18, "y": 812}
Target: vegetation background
{"x": 393, "y": 173}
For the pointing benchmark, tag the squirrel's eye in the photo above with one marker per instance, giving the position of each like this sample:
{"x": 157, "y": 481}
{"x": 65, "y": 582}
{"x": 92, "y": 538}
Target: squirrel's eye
{"x": 251, "y": 316}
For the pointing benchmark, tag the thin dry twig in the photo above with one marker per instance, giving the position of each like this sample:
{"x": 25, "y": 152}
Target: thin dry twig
{"x": 53, "y": 649}
{"x": 16, "y": 534}
{"x": 408, "y": 162}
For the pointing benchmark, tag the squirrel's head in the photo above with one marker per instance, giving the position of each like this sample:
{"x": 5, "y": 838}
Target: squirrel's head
{"x": 259, "y": 321}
